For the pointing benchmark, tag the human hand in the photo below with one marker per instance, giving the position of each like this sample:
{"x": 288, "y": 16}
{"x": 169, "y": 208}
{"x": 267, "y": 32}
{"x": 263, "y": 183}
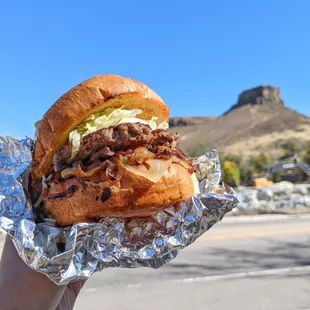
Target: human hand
{"x": 70, "y": 295}
{"x": 24, "y": 289}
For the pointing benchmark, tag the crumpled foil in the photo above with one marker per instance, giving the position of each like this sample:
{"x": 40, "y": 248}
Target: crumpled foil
{"x": 75, "y": 253}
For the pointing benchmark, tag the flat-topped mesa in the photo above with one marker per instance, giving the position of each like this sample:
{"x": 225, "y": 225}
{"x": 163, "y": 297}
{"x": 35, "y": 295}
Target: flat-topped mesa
{"x": 258, "y": 96}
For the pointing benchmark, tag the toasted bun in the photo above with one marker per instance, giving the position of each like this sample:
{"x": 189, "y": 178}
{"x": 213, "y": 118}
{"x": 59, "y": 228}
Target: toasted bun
{"x": 136, "y": 197}
{"x": 94, "y": 95}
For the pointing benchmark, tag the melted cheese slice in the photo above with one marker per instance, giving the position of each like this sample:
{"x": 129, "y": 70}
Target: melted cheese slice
{"x": 195, "y": 183}
{"x": 157, "y": 169}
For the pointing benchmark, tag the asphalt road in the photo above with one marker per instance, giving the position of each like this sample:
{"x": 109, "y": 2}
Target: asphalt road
{"x": 236, "y": 265}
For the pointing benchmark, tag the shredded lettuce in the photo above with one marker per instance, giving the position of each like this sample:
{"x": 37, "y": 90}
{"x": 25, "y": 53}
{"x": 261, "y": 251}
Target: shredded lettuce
{"x": 105, "y": 119}
{"x": 75, "y": 139}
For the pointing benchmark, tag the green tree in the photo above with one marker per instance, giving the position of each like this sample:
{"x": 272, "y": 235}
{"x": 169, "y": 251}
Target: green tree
{"x": 230, "y": 173}
{"x": 259, "y": 162}
{"x": 276, "y": 177}
{"x": 305, "y": 154}
{"x": 290, "y": 148}
{"x": 237, "y": 159}
{"x": 307, "y": 146}
{"x": 246, "y": 171}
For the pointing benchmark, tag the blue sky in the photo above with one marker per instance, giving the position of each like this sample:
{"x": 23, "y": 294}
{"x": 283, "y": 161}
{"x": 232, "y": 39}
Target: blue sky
{"x": 198, "y": 55}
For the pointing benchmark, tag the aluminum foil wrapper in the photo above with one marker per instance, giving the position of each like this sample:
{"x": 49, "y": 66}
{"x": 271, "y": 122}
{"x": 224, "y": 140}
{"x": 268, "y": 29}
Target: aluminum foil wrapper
{"x": 76, "y": 252}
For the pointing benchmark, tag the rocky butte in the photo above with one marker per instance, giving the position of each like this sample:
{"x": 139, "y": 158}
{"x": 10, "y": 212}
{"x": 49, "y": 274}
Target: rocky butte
{"x": 259, "y": 122}
{"x": 260, "y": 95}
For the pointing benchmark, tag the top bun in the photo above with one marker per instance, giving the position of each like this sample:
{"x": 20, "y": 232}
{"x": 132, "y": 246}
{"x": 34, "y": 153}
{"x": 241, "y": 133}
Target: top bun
{"x": 93, "y": 95}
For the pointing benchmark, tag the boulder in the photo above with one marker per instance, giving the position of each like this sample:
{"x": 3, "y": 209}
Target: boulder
{"x": 278, "y": 197}
{"x": 266, "y": 206}
{"x": 282, "y": 188}
{"x": 265, "y": 194}
{"x": 301, "y": 189}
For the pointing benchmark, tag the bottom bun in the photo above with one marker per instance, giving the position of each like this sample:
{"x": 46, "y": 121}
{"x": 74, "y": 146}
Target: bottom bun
{"x": 135, "y": 197}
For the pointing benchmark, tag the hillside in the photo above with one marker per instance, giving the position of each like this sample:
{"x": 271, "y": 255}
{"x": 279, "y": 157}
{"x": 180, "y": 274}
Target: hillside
{"x": 259, "y": 122}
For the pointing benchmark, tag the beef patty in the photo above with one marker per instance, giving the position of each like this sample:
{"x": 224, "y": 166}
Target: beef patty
{"x": 105, "y": 142}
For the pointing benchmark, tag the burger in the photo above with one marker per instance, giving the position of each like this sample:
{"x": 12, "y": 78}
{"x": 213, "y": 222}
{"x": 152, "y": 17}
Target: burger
{"x": 103, "y": 149}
